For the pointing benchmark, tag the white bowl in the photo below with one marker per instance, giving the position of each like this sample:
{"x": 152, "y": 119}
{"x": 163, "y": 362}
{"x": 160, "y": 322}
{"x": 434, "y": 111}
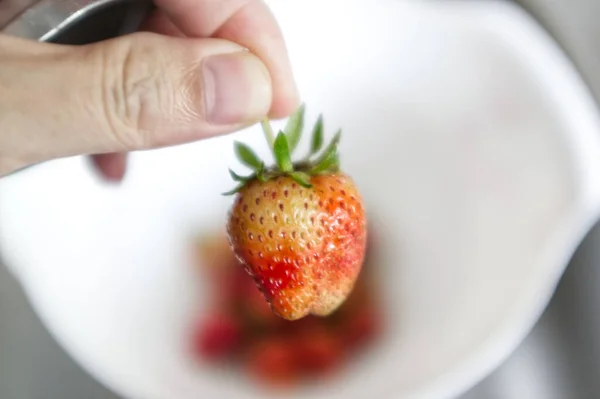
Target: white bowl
{"x": 477, "y": 148}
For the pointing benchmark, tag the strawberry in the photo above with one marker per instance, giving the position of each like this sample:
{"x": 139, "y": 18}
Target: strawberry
{"x": 362, "y": 327}
{"x": 318, "y": 350}
{"x": 298, "y": 228}
{"x": 217, "y": 336}
{"x": 272, "y": 360}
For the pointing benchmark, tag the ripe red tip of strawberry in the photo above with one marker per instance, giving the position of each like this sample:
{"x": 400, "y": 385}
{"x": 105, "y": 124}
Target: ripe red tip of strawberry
{"x": 299, "y": 228}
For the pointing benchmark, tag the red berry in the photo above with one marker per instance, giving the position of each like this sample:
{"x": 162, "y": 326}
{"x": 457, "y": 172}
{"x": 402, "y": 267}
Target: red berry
{"x": 272, "y": 361}
{"x": 217, "y": 336}
{"x": 318, "y": 350}
{"x": 228, "y": 288}
{"x": 300, "y": 229}
{"x": 362, "y": 327}
{"x": 304, "y": 247}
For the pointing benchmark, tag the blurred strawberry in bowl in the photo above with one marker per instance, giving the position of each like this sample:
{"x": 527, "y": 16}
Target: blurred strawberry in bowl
{"x": 243, "y": 329}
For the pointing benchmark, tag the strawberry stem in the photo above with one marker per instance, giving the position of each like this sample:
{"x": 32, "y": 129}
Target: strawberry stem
{"x": 282, "y": 146}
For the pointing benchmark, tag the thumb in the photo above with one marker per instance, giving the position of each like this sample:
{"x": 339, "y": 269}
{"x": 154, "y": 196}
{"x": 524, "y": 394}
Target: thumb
{"x": 136, "y": 92}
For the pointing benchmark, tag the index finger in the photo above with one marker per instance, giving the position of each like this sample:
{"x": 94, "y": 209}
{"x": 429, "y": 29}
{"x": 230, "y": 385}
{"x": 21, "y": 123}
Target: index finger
{"x": 249, "y": 23}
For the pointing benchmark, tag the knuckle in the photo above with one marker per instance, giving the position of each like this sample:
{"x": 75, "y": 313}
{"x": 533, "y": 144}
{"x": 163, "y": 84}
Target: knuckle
{"x": 136, "y": 95}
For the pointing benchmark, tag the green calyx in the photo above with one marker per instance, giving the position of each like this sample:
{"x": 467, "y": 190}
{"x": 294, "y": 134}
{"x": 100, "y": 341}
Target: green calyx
{"x": 318, "y": 161}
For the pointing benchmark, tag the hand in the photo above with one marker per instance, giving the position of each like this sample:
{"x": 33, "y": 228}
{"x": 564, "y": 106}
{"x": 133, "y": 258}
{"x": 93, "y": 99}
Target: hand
{"x": 201, "y": 68}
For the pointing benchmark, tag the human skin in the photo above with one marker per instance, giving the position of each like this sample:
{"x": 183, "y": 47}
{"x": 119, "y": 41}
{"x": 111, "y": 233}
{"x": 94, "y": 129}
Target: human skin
{"x": 198, "y": 68}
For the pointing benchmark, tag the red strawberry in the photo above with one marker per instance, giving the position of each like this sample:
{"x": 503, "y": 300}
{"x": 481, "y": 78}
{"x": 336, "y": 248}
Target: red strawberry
{"x": 217, "y": 336}
{"x": 362, "y": 327}
{"x": 318, "y": 350}
{"x": 299, "y": 229}
{"x": 272, "y": 360}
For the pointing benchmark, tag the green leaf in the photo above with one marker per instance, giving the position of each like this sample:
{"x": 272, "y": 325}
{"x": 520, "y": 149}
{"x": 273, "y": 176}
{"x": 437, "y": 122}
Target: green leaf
{"x": 317, "y": 136}
{"x": 331, "y": 148}
{"x": 331, "y": 162}
{"x": 301, "y": 178}
{"x": 268, "y": 132}
{"x": 235, "y": 190}
{"x": 239, "y": 178}
{"x": 247, "y": 156}
{"x": 282, "y": 153}
{"x": 293, "y": 128}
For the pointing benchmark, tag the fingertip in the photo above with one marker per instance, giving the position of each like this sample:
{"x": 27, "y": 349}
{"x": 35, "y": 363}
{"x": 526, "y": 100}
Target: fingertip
{"x": 237, "y": 88}
{"x": 284, "y": 104}
{"x": 255, "y": 27}
{"x": 112, "y": 167}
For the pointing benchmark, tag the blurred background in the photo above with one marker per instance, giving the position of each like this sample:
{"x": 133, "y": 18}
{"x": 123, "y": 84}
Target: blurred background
{"x": 560, "y": 359}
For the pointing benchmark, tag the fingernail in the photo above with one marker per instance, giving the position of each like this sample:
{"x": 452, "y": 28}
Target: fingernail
{"x": 237, "y": 88}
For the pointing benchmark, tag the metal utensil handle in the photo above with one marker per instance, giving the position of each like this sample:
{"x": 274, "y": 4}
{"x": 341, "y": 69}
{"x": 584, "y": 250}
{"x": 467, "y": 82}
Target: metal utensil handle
{"x": 45, "y": 19}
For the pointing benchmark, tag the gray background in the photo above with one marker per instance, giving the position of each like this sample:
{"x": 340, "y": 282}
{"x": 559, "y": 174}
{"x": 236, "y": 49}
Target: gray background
{"x": 555, "y": 362}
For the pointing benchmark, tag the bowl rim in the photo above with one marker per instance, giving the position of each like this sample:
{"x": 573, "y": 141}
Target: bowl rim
{"x": 487, "y": 356}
